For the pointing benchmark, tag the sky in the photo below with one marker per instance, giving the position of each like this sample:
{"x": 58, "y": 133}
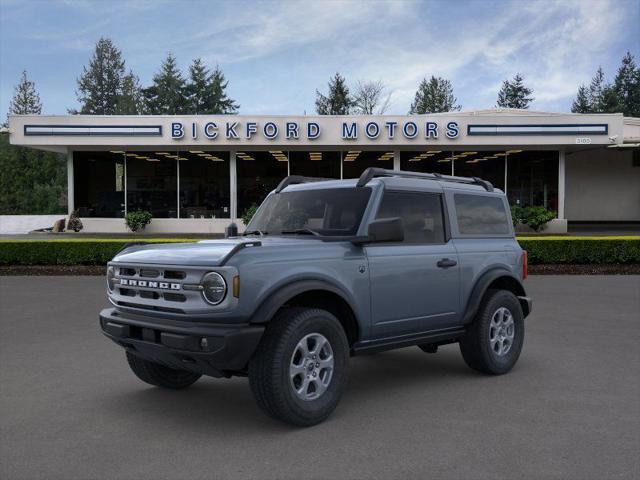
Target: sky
{"x": 276, "y": 54}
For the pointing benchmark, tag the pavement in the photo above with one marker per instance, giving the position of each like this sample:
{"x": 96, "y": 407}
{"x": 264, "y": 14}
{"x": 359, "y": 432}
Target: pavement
{"x": 570, "y": 409}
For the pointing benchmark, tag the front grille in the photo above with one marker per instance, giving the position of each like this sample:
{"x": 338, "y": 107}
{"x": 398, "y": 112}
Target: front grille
{"x": 148, "y": 273}
{"x": 159, "y": 288}
{"x": 174, "y": 275}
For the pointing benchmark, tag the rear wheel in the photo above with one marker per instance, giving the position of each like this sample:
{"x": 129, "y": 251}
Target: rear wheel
{"x": 159, "y": 375}
{"x": 494, "y": 339}
{"x": 299, "y": 370}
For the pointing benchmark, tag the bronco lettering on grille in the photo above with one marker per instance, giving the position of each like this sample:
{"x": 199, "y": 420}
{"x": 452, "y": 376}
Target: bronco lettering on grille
{"x": 129, "y": 282}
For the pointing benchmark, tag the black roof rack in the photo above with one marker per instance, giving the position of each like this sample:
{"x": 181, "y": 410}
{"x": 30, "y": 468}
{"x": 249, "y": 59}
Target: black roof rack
{"x": 297, "y": 179}
{"x": 373, "y": 172}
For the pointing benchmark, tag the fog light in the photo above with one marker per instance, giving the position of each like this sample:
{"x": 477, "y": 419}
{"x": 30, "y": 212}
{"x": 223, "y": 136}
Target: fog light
{"x": 204, "y": 344}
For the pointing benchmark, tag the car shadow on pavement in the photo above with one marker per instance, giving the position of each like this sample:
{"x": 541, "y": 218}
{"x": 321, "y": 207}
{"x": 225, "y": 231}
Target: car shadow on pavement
{"x": 229, "y": 405}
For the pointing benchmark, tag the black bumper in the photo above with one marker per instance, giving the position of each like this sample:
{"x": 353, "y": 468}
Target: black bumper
{"x": 209, "y": 349}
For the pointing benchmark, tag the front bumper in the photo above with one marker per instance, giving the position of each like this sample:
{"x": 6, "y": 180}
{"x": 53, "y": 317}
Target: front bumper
{"x": 209, "y": 349}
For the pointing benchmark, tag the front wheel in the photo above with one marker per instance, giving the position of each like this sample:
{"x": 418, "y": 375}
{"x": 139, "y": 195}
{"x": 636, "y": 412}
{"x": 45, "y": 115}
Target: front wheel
{"x": 493, "y": 342}
{"x": 299, "y": 370}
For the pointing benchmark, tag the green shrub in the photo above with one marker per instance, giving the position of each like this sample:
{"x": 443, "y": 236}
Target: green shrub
{"x": 74, "y": 251}
{"x": 65, "y": 252}
{"x": 534, "y": 217}
{"x": 248, "y": 214}
{"x": 537, "y": 217}
{"x": 137, "y": 220}
{"x": 581, "y": 250}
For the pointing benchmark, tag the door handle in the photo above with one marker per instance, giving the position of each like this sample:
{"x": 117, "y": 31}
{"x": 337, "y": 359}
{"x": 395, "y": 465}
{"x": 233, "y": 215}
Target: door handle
{"x": 446, "y": 263}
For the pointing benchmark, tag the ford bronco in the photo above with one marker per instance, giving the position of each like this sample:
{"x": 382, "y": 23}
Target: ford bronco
{"x": 326, "y": 269}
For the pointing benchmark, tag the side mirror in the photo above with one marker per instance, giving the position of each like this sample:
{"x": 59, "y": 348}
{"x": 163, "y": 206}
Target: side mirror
{"x": 386, "y": 230}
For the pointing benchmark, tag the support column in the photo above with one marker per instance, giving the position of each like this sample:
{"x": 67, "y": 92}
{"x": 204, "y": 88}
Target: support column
{"x": 396, "y": 159}
{"x": 70, "y": 183}
{"x": 233, "y": 186}
{"x": 561, "y": 181}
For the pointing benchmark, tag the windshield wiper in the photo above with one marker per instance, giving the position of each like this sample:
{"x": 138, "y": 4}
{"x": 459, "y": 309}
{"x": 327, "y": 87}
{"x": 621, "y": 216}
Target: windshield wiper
{"x": 300, "y": 231}
{"x": 254, "y": 232}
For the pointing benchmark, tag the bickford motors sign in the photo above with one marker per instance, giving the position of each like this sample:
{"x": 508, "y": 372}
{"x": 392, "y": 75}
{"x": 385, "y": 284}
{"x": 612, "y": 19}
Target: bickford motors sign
{"x": 294, "y": 130}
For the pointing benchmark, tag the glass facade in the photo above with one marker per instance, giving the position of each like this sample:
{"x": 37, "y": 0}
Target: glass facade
{"x": 356, "y": 161}
{"x": 315, "y": 164}
{"x": 258, "y": 174}
{"x": 99, "y": 184}
{"x": 532, "y": 178}
{"x": 196, "y": 184}
{"x": 152, "y": 184}
{"x": 204, "y": 184}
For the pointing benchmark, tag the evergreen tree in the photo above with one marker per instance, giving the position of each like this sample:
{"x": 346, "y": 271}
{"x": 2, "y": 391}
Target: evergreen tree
{"x": 206, "y": 91}
{"x": 31, "y": 181}
{"x": 167, "y": 95}
{"x": 196, "y": 89}
{"x": 514, "y": 94}
{"x": 130, "y": 101}
{"x": 338, "y": 101}
{"x": 218, "y": 100}
{"x": 596, "y": 91}
{"x": 434, "y": 95}
{"x": 581, "y": 104}
{"x": 100, "y": 85}
{"x": 25, "y": 99}
{"x": 627, "y": 86}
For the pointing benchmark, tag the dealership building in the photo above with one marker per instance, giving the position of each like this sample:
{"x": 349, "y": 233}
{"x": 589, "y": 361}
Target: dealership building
{"x": 197, "y": 173}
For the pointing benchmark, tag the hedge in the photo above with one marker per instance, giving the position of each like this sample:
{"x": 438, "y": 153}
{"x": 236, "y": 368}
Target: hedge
{"x": 581, "y": 250}
{"x": 76, "y": 251}
{"x": 79, "y": 251}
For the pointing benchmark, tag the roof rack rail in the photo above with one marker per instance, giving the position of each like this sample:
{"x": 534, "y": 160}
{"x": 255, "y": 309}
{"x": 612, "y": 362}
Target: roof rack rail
{"x": 373, "y": 172}
{"x": 297, "y": 179}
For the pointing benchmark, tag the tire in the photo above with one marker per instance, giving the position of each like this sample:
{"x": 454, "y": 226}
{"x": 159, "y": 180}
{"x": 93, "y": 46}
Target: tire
{"x": 281, "y": 352}
{"x": 159, "y": 375}
{"x": 486, "y": 346}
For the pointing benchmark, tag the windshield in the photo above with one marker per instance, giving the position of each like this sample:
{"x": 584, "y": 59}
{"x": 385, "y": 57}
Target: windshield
{"x": 332, "y": 211}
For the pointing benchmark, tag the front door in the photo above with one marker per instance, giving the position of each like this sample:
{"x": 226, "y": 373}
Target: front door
{"x": 414, "y": 284}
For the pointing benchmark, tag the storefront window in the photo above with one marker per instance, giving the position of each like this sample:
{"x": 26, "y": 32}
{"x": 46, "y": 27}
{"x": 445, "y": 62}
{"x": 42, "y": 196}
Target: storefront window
{"x": 99, "y": 184}
{"x": 354, "y": 162}
{"x": 204, "y": 184}
{"x": 315, "y": 164}
{"x": 488, "y": 165}
{"x": 532, "y": 178}
{"x": 152, "y": 183}
{"x": 258, "y": 174}
{"x": 427, "y": 161}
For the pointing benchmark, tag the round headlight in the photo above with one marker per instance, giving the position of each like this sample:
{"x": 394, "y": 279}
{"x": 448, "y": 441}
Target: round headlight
{"x": 111, "y": 275}
{"x": 214, "y": 288}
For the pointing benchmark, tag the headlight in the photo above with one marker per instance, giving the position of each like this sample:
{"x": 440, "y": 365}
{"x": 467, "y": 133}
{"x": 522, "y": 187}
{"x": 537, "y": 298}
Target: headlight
{"x": 111, "y": 275}
{"x": 214, "y": 288}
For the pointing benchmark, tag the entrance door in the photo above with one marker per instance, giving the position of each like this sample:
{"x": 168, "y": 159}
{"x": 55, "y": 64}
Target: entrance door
{"x": 414, "y": 284}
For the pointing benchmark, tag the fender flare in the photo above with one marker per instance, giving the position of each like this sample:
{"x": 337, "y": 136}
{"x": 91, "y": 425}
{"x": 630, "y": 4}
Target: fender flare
{"x": 275, "y": 300}
{"x": 481, "y": 287}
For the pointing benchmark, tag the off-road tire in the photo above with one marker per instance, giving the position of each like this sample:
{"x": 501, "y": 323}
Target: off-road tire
{"x": 269, "y": 375}
{"x": 159, "y": 375}
{"x": 476, "y": 345}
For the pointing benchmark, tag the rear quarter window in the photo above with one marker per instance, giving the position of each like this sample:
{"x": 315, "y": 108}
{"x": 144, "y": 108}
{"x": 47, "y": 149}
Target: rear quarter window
{"x": 481, "y": 215}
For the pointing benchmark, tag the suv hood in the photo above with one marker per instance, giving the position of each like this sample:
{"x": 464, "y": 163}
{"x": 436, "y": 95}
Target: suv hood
{"x": 204, "y": 253}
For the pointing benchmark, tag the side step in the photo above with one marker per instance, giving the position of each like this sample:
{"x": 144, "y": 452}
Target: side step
{"x": 390, "y": 343}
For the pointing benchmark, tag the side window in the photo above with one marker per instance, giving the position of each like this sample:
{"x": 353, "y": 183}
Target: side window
{"x": 421, "y": 215}
{"x": 481, "y": 215}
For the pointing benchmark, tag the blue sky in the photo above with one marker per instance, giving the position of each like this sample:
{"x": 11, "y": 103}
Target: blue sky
{"x": 275, "y": 54}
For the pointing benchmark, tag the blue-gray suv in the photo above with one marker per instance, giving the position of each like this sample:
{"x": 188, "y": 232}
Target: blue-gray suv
{"x": 326, "y": 269}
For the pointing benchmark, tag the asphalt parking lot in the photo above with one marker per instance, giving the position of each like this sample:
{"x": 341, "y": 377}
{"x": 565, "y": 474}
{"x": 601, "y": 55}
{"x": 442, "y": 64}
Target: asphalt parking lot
{"x": 71, "y": 409}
